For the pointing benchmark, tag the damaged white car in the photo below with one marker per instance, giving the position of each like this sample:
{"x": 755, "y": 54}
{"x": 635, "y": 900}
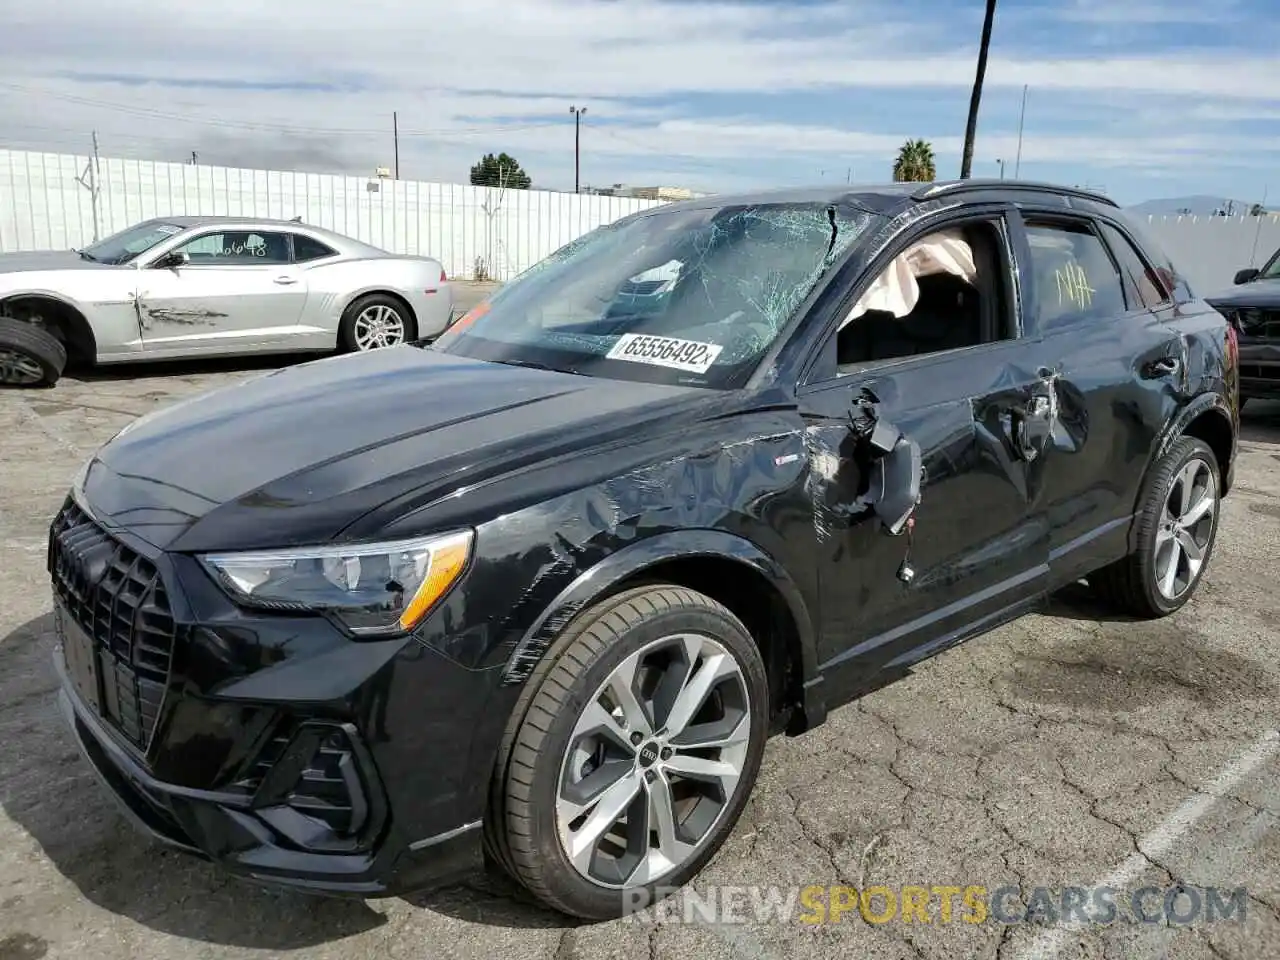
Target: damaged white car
{"x": 189, "y": 287}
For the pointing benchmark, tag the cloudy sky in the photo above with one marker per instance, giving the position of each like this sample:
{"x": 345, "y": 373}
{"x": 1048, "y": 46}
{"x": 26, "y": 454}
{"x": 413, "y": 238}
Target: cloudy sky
{"x": 1143, "y": 98}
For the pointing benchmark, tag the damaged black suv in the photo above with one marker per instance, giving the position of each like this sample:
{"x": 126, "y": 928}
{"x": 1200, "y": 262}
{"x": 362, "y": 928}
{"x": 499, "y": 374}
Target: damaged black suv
{"x": 537, "y": 593}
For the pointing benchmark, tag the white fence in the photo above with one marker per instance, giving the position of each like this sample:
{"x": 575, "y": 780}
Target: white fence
{"x": 1209, "y": 250}
{"x": 45, "y": 205}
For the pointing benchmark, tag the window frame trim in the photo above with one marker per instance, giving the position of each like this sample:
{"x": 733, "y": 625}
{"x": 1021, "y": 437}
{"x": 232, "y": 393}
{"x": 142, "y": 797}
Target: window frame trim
{"x": 1144, "y": 258}
{"x": 1034, "y": 215}
{"x": 1000, "y": 213}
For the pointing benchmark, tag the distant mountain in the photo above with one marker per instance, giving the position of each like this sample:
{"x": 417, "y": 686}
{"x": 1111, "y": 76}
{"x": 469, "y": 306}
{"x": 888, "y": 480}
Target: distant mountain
{"x": 1201, "y": 206}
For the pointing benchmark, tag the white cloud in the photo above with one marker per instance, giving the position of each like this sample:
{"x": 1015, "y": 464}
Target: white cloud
{"x": 452, "y": 72}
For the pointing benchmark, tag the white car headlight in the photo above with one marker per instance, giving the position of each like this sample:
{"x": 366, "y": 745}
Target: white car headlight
{"x": 373, "y": 588}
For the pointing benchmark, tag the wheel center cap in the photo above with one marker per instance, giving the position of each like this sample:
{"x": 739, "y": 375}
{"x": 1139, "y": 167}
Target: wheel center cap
{"x": 648, "y": 754}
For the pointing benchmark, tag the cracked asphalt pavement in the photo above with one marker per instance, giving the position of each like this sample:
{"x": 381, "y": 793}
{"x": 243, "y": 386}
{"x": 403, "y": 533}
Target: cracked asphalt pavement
{"x": 1071, "y": 748}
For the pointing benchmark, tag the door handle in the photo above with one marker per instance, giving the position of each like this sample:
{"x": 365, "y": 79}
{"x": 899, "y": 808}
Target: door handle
{"x": 286, "y": 280}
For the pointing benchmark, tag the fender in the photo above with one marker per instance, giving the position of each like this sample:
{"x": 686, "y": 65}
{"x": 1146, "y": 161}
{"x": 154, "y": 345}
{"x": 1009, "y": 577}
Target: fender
{"x": 1174, "y": 429}
{"x": 676, "y": 544}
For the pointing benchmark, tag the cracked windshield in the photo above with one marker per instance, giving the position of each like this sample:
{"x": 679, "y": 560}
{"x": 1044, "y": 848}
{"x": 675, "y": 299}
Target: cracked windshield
{"x": 692, "y": 296}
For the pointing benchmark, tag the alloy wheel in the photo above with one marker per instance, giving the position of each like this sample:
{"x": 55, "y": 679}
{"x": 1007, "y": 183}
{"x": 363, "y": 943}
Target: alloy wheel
{"x": 378, "y": 326}
{"x": 654, "y": 761}
{"x": 1186, "y": 526}
{"x": 18, "y": 368}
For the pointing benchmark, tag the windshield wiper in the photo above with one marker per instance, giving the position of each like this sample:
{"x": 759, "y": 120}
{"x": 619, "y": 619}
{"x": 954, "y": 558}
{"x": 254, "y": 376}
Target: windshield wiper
{"x": 535, "y": 365}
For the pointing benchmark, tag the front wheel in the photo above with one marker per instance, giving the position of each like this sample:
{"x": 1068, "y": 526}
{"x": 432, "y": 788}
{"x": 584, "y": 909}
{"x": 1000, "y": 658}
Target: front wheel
{"x": 30, "y": 356}
{"x": 632, "y": 754}
{"x": 1177, "y": 525}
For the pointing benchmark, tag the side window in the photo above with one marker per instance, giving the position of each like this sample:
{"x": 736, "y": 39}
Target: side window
{"x": 237, "y": 248}
{"x": 1075, "y": 278}
{"x": 308, "y": 248}
{"x": 1142, "y": 286}
{"x": 944, "y": 291}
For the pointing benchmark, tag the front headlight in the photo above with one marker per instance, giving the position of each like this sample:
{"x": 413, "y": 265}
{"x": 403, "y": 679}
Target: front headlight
{"x": 373, "y": 588}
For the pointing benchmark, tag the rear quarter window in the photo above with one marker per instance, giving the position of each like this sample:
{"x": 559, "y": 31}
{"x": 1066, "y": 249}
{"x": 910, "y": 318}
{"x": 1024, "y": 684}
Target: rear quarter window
{"x": 308, "y": 248}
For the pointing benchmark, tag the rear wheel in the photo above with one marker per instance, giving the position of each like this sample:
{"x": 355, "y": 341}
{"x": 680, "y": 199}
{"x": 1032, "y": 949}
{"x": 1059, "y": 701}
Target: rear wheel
{"x": 1177, "y": 526}
{"x": 630, "y": 757}
{"x": 376, "y": 320}
{"x": 29, "y": 355}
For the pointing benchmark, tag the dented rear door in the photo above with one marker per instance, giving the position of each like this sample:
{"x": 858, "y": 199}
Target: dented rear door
{"x": 1118, "y": 373}
{"x": 977, "y": 546}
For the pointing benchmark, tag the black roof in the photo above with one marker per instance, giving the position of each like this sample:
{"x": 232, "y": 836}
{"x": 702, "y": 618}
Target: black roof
{"x": 889, "y": 197}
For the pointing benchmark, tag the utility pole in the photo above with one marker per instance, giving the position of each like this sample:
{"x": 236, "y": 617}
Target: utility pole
{"x": 395, "y": 133}
{"x": 975, "y": 99}
{"x": 577, "y": 142}
{"x": 1022, "y": 117}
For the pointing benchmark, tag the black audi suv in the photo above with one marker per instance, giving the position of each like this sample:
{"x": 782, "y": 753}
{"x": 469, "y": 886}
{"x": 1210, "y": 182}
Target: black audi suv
{"x": 537, "y": 592}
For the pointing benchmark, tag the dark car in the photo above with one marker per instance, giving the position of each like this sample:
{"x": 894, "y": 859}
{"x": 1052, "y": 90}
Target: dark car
{"x": 1253, "y": 309}
{"x": 537, "y": 593}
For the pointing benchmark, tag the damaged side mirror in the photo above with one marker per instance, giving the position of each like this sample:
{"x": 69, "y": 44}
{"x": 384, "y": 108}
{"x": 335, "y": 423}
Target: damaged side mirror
{"x": 896, "y": 464}
{"x": 895, "y": 485}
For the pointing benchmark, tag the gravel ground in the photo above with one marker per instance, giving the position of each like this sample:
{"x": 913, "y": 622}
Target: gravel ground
{"x": 1069, "y": 748}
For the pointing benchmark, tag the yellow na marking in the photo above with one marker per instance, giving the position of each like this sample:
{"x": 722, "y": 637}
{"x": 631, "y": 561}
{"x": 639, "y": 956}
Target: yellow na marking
{"x": 1073, "y": 285}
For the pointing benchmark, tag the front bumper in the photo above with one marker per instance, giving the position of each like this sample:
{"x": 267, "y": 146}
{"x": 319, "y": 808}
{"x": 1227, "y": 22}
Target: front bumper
{"x": 276, "y": 747}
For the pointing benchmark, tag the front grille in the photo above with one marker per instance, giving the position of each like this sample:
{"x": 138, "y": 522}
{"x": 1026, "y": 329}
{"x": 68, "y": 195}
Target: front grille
{"x": 116, "y": 596}
{"x": 1257, "y": 322}
{"x": 1258, "y": 371}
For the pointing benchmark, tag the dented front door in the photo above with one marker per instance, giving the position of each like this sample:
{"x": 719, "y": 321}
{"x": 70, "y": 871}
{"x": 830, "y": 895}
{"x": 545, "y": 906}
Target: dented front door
{"x": 976, "y": 546}
{"x": 222, "y": 301}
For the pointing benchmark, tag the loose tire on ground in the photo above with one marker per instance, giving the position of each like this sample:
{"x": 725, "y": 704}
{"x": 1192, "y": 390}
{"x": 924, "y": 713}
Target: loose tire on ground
{"x": 521, "y": 827}
{"x": 1131, "y": 584}
{"x": 29, "y": 355}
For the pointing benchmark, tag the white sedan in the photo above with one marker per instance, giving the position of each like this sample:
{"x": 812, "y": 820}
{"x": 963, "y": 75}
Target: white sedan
{"x": 187, "y": 287}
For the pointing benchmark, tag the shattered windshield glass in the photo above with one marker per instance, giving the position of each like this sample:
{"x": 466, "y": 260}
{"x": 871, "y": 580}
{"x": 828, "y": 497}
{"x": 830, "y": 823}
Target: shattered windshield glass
{"x": 680, "y": 296}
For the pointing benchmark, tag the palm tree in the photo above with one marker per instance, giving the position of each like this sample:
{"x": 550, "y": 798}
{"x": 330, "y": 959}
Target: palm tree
{"x": 971, "y": 128}
{"x": 915, "y": 162}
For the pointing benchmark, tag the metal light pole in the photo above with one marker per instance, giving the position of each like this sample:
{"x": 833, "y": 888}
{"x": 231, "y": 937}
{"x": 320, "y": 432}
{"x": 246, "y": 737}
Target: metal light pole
{"x": 1001, "y": 162}
{"x": 1022, "y": 118}
{"x": 577, "y": 141}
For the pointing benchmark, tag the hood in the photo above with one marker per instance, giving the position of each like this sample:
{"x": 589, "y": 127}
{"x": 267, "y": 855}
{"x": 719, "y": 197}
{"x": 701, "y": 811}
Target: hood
{"x": 298, "y": 455}
{"x": 46, "y": 261}
{"x": 1258, "y": 293}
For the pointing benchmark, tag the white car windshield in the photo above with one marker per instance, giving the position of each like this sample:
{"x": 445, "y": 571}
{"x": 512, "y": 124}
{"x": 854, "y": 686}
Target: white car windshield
{"x": 690, "y": 295}
{"x": 124, "y": 246}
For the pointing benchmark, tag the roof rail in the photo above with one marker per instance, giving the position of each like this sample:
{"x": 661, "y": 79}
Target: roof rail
{"x": 929, "y": 191}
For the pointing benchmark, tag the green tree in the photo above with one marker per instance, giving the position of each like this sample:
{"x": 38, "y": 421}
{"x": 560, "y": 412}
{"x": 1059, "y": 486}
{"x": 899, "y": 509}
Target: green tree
{"x": 915, "y": 162}
{"x": 499, "y": 171}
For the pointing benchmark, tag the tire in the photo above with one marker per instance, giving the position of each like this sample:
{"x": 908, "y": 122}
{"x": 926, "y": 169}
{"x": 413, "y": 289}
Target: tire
{"x": 353, "y": 334}
{"x": 29, "y": 355}
{"x": 1133, "y": 584}
{"x": 522, "y": 828}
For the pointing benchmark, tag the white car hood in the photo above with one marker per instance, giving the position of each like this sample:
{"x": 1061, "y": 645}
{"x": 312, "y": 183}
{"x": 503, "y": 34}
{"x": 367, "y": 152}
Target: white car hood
{"x": 45, "y": 261}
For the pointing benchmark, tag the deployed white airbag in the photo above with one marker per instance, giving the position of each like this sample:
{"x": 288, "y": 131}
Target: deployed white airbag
{"x": 896, "y": 291}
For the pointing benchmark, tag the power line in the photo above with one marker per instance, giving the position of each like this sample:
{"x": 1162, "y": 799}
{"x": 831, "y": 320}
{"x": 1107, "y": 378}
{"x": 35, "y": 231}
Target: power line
{"x": 154, "y": 114}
